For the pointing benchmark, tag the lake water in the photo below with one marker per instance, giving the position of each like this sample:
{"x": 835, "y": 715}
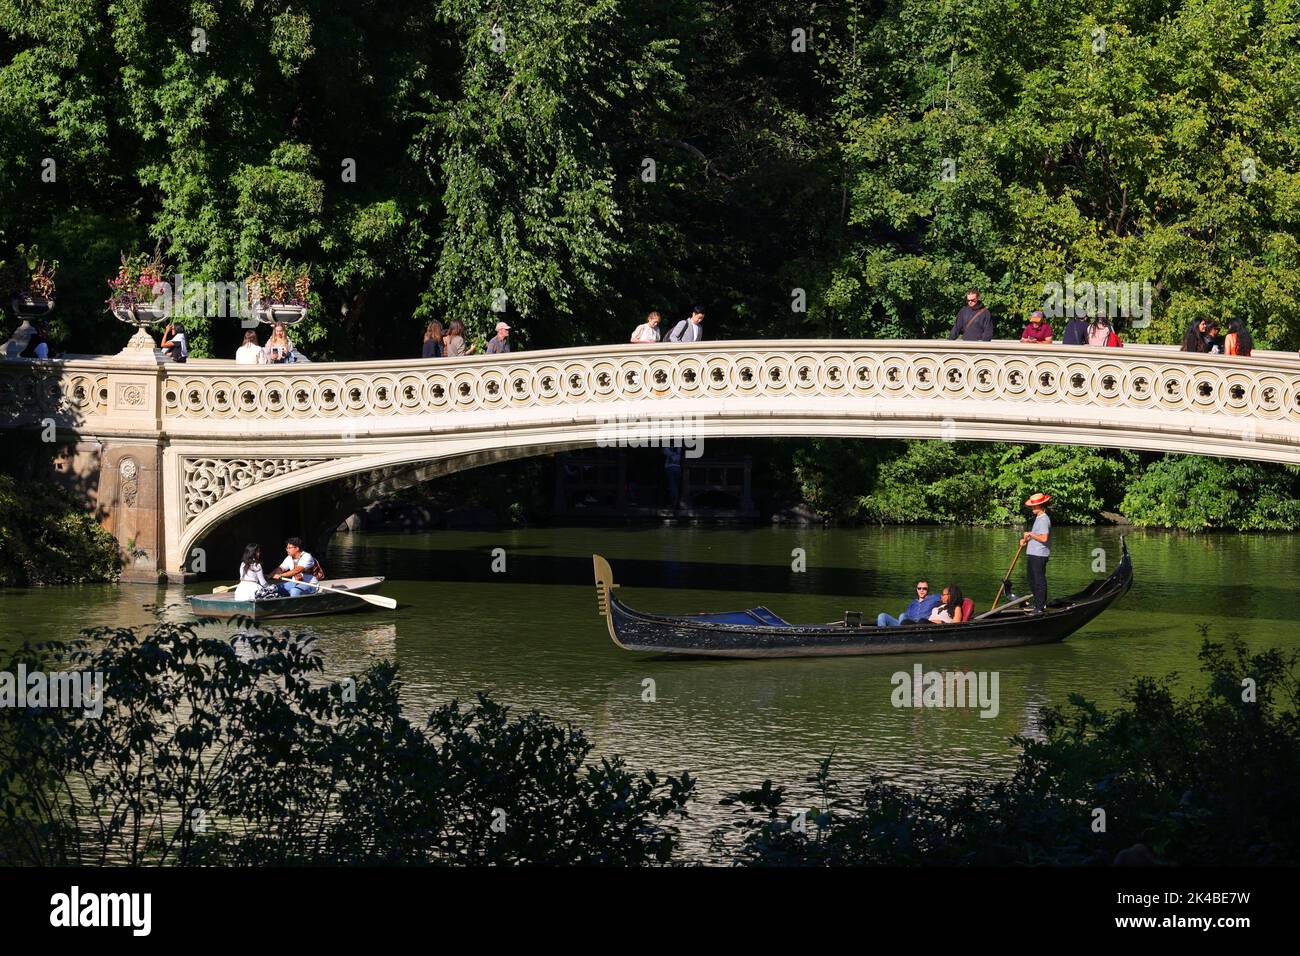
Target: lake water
{"x": 530, "y": 636}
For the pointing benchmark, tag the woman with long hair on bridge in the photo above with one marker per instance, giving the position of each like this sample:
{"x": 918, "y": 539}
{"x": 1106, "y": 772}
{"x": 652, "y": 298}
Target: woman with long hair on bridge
{"x": 1194, "y": 337}
{"x": 456, "y": 344}
{"x": 433, "y": 335}
{"x": 279, "y": 347}
{"x": 1238, "y": 340}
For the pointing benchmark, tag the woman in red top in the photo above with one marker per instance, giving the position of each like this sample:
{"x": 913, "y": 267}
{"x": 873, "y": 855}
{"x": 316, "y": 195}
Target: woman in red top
{"x": 1238, "y": 341}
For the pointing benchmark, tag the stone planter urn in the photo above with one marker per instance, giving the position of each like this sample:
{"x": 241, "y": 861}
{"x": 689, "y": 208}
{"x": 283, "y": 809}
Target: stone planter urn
{"x": 141, "y": 345}
{"x": 273, "y": 312}
{"x": 26, "y": 307}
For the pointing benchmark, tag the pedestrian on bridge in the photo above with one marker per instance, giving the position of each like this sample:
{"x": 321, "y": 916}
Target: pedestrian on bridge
{"x": 433, "y": 336}
{"x": 1238, "y": 340}
{"x": 455, "y": 345}
{"x": 499, "y": 344}
{"x": 647, "y": 333}
{"x": 689, "y": 330}
{"x": 1039, "y": 330}
{"x": 250, "y": 353}
{"x": 1076, "y": 331}
{"x": 1197, "y": 338}
{"x": 974, "y": 321}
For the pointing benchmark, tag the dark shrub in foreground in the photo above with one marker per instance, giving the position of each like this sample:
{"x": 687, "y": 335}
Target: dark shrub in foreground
{"x": 1213, "y": 778}
{"x": 225, "y": 751}
{"x": 235, "y": 751}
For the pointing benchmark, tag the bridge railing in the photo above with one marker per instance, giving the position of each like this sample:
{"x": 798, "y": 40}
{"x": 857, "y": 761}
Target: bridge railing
{"x": 1264, "y": 385}
{"x": 106, "y": 393}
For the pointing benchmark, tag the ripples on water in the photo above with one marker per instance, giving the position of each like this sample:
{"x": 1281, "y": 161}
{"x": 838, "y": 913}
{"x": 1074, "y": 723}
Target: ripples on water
{"x": 531, "y": 637}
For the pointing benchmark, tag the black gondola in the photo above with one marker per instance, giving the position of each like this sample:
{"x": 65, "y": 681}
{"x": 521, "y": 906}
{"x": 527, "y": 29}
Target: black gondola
{"x": 757, "y": 632}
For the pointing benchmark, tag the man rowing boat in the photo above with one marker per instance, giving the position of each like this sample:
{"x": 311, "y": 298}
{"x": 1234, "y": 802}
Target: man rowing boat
{"x": 298, "y": 571}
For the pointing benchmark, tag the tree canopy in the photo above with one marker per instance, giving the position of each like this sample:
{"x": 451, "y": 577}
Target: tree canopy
{"x": 801, "y": 169}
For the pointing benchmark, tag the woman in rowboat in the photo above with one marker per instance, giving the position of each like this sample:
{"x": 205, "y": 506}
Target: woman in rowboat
{"x": 251, "y": 579}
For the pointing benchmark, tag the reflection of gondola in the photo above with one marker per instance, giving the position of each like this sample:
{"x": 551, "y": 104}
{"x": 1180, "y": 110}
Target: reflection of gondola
{"x": 757, "y": 632}
{"x": 302, "y": 605}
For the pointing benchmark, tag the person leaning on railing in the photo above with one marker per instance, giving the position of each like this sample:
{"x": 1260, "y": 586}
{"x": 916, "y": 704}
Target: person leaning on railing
{"x": 499, "y": 344}
{"x": 455, "y": 345}
{"x": 1238, "y": 340}
{"x": 433, "y": 336}
{"x": 279, "y": 348}
{"x": 1039, "y": 330}
{"x": 250, "y": 353}
{"x": 974, "y": 321}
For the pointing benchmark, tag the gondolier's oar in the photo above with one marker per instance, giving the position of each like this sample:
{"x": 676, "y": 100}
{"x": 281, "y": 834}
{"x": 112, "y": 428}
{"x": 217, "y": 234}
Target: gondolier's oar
{"x": 1007, "y": 580}
{"x": 378, "y": 600}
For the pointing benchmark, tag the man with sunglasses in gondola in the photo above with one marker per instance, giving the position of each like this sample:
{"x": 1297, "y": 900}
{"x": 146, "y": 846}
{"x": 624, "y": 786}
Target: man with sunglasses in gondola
{"x": 916, "y": 612}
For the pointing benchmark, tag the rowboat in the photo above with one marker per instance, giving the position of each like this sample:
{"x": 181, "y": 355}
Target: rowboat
{"x": 757, "y": 632}
{"x": 302, "y": 605}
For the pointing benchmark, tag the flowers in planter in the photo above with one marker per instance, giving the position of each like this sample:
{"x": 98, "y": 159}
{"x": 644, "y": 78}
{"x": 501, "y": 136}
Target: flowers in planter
{"x": 279, "y": 294}
{"x": 28, "y": 280}
{"x": 139, "y": 284}
{"x": 279, "y": 286}
{"x": 42, "y": 283}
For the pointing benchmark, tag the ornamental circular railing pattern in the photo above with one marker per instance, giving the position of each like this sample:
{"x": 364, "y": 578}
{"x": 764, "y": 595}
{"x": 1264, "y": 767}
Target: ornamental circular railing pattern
{"x": 1133, "y": 378}
{"x": 29, "y": 391}
{"x": 1107, "y": 380}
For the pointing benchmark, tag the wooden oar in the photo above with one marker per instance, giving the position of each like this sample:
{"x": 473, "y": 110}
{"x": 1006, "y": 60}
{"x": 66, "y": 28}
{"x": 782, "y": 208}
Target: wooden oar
{"x": 378, "y": 600}
{"x": 1007, "y": 579}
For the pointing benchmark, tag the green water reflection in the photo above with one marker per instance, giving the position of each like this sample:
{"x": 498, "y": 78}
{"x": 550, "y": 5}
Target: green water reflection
{"x": 531, "y": 637}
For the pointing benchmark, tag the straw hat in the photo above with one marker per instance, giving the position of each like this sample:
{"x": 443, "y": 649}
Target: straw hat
{"x": 1038, "y": 500}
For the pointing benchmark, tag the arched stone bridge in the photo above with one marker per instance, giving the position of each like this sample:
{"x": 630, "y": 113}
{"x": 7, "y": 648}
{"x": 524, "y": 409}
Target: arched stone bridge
{"x": 169, "y": 451}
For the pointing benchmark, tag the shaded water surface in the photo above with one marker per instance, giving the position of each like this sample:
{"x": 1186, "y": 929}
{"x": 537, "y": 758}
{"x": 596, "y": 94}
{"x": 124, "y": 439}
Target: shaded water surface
{"x": 530, "y": 636}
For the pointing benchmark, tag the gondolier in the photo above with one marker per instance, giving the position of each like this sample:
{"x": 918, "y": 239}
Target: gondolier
{"x": 1037, "y": 549}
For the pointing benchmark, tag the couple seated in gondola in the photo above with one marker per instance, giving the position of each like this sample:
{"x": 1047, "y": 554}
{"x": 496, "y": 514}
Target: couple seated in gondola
{"x": 946, "y": 608}
{"x": 295, "y": 575}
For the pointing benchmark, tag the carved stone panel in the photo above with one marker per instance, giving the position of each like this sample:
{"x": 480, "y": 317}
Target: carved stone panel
{"x": 209, "y": 480}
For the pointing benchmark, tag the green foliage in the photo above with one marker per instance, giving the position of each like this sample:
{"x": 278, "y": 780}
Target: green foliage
{"x": 1195, "y": 494}
{"x": 832, "y": 473}
{"x": 45, "y": 538}
{"x": 500, "y": 146}
{"x": 972, "y": 483}
{"x": 233, "y": 751}
{"x": 936, "y": 482}
{"x": 1207, "y": 779}
{"x": 1084, "y": 481}
{"x": 1165, "y": 154}
{"x": 539, "y": 150}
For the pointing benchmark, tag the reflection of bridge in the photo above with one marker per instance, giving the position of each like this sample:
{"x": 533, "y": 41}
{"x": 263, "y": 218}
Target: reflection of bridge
{"x": 169, "y": 452}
